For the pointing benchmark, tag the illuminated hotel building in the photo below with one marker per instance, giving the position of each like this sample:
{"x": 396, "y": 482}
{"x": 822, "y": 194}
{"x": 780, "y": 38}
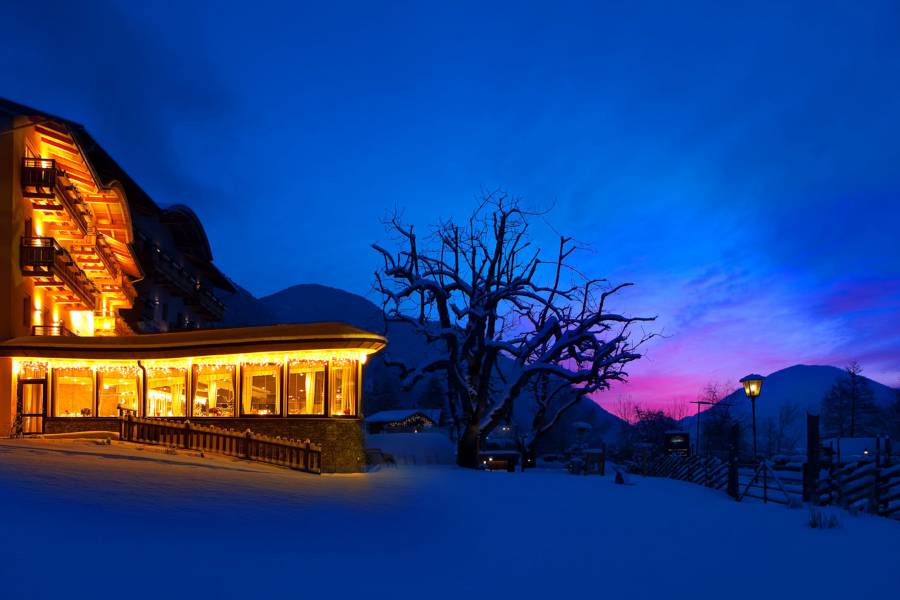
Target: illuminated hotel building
{"x": 109, "y": 305}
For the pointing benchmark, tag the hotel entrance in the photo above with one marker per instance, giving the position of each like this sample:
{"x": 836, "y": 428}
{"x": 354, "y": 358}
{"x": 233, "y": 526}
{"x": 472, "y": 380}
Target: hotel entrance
{"x": 31, "y": 398}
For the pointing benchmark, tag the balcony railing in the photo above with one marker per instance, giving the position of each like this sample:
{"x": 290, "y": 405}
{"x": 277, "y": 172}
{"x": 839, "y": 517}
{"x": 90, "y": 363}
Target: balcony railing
{"x": 208, "y": 303}
{"x": 39, "y": 174}
{"x": 176, "y": 275}
{"x": 105, "y": 252}
{"x": 57, "y": 329}
{"x": 40, "y": 179}
{"x": 44, "y": 257}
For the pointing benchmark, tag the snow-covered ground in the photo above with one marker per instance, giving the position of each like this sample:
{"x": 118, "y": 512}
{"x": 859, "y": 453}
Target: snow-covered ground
{"x": 81, "y": 519}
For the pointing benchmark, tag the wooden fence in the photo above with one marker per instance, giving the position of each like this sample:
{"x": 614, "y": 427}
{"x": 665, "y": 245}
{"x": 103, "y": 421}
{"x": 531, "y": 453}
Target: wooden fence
{"x": 869, "y": 485}
{"x": 294, "y": 454}
{"x": 709, "y": 471}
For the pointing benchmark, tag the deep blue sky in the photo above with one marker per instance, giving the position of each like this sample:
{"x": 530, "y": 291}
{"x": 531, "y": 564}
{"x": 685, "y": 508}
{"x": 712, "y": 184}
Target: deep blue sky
{"x": 740, "y": 164}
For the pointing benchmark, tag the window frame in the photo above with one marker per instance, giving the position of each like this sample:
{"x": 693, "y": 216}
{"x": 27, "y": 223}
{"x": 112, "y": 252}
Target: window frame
{"x": 280, "y": 396}
{"x": 54, "y": 395}
{"x": 325, "y": 386}
{"x": 235, "y": 388}
{"x": 188, "y": 397}
{"x": 99, "y": 375}
{"x": 331, "y": 387}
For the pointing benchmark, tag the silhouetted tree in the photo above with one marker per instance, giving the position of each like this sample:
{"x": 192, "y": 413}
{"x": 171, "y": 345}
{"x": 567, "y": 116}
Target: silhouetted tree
{"x": 780, "y": 433}
{"x": 849, "y": 409}
{"x": 892, "y": 418}
{"x": 716, "y": 422}
{"x": 651, "y": 427}
{"x": 482, "y": 294}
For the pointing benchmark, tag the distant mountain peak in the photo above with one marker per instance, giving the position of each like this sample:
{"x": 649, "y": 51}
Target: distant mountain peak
{"x": 311, "y": 302}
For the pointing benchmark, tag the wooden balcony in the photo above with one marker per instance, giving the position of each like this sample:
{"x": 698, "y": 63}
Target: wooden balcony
{"x": 175, "y": 276}
{"x": 52, "y": 266}
{"x": 57, "y": 329}
{"x": 107, "y": 257}
{"x": 39, "y": 177}
{"x": 209, "y": 305}
{"x": 41, "y": 181}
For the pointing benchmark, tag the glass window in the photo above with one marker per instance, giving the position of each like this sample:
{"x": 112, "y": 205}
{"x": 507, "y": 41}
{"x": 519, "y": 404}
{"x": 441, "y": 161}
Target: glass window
{"x": 306, "y": 388}
{"x": 73, "y": 392}
{"x": 167, "y": 393}
{"x": 261, "y": 392}
{"x": 343, "y": 388}
{"x": 117, "y": 390}
{"x": 214, "y": 392}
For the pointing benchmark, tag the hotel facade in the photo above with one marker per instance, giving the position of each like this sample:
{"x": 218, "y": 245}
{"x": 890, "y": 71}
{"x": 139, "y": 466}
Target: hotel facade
{"x": 110, "y": 306}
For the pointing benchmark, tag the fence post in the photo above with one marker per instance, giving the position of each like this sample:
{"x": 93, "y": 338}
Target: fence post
{"x": 733, "y": 449}
{"x": 247, "y": 440}
{"x": 187, "y": 435}
{"x": 812, "y": 467}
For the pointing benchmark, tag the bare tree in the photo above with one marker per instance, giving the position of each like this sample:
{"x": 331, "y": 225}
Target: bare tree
{"x": 709, "y": 406}
{"x": 781, "y": 432}
{"x": 715, "y": 421}
{"x": 678, "y": 410}
{"x": 506, "y": 320}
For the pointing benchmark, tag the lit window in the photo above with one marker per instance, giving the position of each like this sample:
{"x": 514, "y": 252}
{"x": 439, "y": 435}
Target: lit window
{"x": 306, "y": 388}
{"x": 343, "y": 388}
{"x": 73, "y": 392}
{"x": 214, "y": 392}
{"x": 166, "y": 393}
{"x": 117, "y": 391}
{"x": 261, "y": 390}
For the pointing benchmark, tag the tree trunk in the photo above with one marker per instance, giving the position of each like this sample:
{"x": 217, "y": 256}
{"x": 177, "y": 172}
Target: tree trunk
{"x": 468, "y": 446}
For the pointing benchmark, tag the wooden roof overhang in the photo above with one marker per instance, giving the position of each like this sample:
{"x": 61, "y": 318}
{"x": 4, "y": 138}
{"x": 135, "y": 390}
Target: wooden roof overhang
{"x": 197, "y": 343}
{"x": 107, "y": 201}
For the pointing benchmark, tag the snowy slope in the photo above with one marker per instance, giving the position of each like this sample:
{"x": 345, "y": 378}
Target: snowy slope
{"x": 89, "y": 521}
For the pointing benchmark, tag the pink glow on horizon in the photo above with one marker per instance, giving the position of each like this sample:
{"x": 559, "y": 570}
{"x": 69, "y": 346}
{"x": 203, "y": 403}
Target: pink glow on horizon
{"x": 723, "y": 341}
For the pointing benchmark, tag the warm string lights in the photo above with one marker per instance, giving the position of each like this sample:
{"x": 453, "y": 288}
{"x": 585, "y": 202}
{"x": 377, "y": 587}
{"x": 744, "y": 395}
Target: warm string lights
{"x": 305, "y": 358}
{"x": 124, "y": 369}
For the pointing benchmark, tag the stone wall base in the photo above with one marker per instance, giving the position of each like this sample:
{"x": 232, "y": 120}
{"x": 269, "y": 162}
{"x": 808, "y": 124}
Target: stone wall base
{"x": 341, "y": 439}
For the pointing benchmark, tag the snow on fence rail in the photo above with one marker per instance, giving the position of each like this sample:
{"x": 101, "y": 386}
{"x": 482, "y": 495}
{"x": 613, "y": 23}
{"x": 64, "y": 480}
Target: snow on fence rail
{"x": 294, "y": 454}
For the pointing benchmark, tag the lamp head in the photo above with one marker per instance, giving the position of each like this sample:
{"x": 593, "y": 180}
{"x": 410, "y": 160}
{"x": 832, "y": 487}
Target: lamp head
{"x": 752, "y": 385}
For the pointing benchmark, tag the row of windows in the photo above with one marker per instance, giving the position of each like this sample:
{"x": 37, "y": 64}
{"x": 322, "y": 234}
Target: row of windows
{"x": 216, "y": 391}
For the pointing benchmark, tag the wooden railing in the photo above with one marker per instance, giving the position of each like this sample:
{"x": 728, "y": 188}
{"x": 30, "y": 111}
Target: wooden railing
{"x": 207, "y": 301}
{"x": 866, "y": 485}
{"x": 55, "y": 329}
{"x": 40, "y": 174}
{"x": 294, "y": 454}
{"x": 41, "y": 179}
{"x": 107, "y": 257}
{"x": 173, "y": 272}
{"x": 43, "y": 256}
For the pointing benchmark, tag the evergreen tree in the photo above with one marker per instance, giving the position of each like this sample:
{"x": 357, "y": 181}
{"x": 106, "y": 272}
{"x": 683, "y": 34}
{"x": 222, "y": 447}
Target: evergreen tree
{"x": 849, "y": 409}
{"x": 892, "y": 418}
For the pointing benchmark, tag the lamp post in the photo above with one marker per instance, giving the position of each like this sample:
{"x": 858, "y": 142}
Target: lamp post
{"x": 752, "y": 386}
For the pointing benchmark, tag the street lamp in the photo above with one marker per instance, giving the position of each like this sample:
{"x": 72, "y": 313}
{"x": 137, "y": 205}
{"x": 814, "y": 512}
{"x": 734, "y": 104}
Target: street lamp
{"x": 752, "y": 386}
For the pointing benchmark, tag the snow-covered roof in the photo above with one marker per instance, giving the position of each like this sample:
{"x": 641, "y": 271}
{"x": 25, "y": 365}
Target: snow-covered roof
{"x": 389, "y": 416}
